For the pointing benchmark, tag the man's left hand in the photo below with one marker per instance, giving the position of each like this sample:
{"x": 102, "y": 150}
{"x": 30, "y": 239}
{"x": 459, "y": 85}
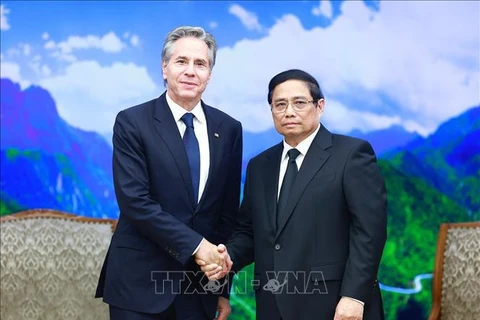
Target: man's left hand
{"x": 223, "y": 308}
{"x": 348, "y": 309}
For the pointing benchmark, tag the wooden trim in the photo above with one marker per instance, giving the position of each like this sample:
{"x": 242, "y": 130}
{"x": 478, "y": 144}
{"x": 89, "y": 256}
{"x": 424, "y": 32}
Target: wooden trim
{"x": 472, "y": 224}
{"x": 435, "y": 313}
{"x": 437, "y": 273}
{"x": 55, "y": 214}
{"x": 439, "y": 261}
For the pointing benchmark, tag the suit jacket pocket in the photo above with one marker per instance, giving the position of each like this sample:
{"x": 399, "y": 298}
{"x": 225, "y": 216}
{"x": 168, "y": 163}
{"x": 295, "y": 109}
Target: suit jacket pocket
{"x": 133, "y": 242}
{"x": 327, "y": 272}
{"x": 322, "y": 179}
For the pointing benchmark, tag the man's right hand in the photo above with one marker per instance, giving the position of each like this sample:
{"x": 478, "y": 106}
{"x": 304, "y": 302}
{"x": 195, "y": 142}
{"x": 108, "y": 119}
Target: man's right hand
{"x": 217, "y": 271}
{"x": 209, "y": 254}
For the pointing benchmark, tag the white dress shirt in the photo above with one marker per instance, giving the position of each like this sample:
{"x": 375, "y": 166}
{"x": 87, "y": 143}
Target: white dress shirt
{"x": 303, "y": 148}
{"x": 200, "y": 127}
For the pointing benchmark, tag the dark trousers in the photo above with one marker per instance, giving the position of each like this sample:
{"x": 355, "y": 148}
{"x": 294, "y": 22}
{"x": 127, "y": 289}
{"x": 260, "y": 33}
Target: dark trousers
{"x": 271, "y": 312}
{"x": 184, "y": 307}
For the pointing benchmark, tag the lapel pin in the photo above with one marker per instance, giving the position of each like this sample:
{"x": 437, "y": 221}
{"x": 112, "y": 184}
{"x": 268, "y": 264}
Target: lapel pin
{"x": 216, "y": 135}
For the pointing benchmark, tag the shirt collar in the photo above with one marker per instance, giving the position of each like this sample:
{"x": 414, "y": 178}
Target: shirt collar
{"x": 302, "y": 146}
{"x": 178, "y": 111}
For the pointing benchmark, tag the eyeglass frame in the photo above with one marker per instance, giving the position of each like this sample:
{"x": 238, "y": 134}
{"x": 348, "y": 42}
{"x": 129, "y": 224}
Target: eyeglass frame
{"x": 292, "y": 103}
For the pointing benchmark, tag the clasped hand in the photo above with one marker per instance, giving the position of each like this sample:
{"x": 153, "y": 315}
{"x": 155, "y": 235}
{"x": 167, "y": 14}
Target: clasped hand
{"x": 213, "y": 260}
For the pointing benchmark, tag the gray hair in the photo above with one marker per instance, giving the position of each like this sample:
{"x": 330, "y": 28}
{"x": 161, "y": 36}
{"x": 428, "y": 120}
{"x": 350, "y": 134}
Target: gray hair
{"x": 195, "y": 32}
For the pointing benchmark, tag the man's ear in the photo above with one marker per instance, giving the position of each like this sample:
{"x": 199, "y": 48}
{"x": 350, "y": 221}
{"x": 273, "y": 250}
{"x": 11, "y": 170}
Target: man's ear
{"x": 321, "y": 105}
{"x": 164, "y": 69}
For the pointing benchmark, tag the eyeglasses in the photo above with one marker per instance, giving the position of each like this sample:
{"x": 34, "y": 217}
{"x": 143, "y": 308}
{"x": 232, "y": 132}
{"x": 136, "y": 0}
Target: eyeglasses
{"x": 297, "y": 105}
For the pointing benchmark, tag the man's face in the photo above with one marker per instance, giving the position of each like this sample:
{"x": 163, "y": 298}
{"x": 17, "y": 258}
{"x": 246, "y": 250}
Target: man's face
{"x": 295, "y": 126}
{"x": 187, "y": 72}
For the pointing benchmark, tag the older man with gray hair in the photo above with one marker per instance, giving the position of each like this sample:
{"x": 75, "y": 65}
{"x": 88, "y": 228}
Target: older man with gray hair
{"x": 177, "y": 168}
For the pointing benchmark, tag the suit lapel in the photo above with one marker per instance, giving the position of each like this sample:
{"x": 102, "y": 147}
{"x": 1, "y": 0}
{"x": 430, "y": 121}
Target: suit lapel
{"x": 214, "y": 149}
{"x": 271, "y": 169}
{"x": 314, "y": 160}
{"x": 168, "y": 131}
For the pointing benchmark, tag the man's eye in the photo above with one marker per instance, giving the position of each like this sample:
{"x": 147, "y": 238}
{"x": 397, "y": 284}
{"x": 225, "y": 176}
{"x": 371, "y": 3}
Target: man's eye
{"x": 300, "y": 103}
{"x": 280, "y": 105}
{"x": 181, "y": 61}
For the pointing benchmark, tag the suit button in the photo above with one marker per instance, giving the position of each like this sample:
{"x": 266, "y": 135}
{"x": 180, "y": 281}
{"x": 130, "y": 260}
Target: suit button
{"x": 278, "y": 246}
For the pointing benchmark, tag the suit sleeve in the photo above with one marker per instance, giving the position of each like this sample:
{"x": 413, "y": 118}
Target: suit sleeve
{"x": 366, "y": 198}
{"x": 131, "y": 183}
{"x": 241, "y": 245}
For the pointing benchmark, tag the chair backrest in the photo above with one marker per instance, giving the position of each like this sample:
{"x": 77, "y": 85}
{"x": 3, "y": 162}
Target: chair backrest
{"x": 50, "y": 263}
{"x": 456, "y": 280}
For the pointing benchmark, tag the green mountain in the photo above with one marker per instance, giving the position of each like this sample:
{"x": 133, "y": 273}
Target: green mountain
{"x": 448, "y": 160}
{"x": 415, "y": 212}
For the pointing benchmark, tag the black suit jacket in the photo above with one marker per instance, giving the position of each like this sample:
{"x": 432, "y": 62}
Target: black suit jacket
{"x": 332, "y": 242}
{"x": 159, "y": 225}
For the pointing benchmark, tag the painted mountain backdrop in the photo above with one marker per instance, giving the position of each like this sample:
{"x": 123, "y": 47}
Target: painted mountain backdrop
{"x": 47, "y": 163}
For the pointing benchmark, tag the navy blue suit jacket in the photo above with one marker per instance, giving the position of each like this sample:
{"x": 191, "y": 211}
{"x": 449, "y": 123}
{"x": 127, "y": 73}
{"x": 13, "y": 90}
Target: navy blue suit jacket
{"x": 159, "y": 225}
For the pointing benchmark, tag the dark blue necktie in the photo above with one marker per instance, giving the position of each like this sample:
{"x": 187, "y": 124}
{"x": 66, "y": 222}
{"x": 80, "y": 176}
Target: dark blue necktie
{"x": 193, "y": 152}
{"x": 287, "y": 184}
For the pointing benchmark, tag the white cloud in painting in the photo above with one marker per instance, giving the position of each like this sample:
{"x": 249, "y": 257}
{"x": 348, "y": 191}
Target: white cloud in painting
{"x": 90, "y": 95}
{"x": 247, "y": 18}
{"x": 324, "y": 9}
{"x": 4, "y": 11}
{"x": 26, "y": 48}
{"x": 46, "y": 71}
{"x": 134, "y": 40}
{"x": 431, "y": 77}
{"x": 12, "y": 71}
{"x": 109, "y": 43}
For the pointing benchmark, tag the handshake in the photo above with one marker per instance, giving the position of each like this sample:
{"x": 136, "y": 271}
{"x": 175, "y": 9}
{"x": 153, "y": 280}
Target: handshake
{"x": 213, "y": 260}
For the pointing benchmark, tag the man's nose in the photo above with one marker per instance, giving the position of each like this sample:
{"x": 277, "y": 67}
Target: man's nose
{"x": 190, "y": 69}
{"x": 289, "y": 111}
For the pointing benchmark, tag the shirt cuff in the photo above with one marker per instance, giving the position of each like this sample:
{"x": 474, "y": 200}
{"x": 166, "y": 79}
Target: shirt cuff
{"x": 361, "y": 302}
{"x": 198, "y": 247}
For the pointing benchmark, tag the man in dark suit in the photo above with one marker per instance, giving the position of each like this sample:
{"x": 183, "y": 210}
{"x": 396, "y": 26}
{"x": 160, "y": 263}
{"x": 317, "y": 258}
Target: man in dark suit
{"x": 177, "y": 168}
{"x": 313, "y": 217}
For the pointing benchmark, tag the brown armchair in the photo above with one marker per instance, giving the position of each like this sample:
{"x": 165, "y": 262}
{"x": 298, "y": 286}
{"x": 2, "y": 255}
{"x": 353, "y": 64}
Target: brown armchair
{"x": 456, "y": 279}
{"x": 50, "y": 263}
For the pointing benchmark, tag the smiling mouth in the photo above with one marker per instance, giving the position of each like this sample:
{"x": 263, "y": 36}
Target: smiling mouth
{"x": 189, "y": 83}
